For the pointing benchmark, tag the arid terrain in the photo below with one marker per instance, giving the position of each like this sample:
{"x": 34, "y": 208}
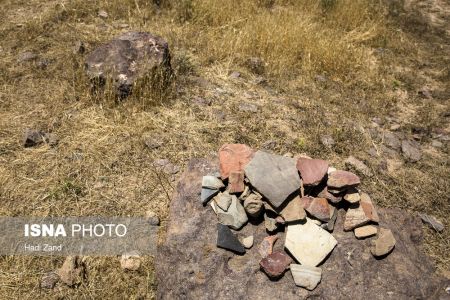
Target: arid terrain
{"x": 328, "y": 78}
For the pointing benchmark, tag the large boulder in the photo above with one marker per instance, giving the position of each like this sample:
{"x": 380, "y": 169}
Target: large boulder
{"x": 190, "y": 266}
{"x": 128, "y": 58}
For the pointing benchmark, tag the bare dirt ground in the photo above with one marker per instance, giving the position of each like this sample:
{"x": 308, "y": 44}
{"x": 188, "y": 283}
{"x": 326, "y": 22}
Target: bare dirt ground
{"x": 356, "y": 83}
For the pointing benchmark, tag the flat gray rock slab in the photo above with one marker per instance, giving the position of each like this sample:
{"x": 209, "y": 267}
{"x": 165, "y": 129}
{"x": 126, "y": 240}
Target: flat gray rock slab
{"x": 274, "y": 176}
{"x": 190, "y": 266}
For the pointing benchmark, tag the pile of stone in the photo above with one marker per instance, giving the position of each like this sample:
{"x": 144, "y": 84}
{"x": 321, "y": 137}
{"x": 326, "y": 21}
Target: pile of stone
{"x": 299, "y": 196}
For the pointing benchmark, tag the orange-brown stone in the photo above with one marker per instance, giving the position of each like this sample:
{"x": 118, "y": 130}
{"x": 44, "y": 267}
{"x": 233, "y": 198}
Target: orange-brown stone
{"x": 312, "y": 171}
{"x": 234, "y": 157}
{"x": 318, "y": 208}
{"x": 236, "y": 182}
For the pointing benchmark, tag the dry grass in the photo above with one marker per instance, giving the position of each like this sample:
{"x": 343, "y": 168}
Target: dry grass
{"x": 101, "y": 165}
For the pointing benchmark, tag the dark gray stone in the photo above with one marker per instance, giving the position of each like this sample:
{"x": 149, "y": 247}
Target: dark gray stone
{"x": 33, "y": 137}
{"x": 274, "y": 176}
{"x": 207, "y": 194}
{"x": 205, "y": 272}
{"x": 128, "y": 58}
{"x": 227, "y": 240}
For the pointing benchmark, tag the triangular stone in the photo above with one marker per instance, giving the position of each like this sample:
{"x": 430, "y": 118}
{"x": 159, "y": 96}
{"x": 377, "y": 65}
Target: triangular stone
{"x": 227, "y": 240}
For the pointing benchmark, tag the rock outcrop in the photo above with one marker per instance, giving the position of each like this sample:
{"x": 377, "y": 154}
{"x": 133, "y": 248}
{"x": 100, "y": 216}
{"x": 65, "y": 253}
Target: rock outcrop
{"x": 190, "y": 266}
{"x": 128, "y": 58}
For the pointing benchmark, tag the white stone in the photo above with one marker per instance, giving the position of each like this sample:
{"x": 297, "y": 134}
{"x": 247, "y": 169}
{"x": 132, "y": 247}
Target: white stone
{"x": 305, "y": 276}
{"x": 130, "y": 261}
{"x": 212, "y": 182}
{"x": 309, "y": 243}
{"x": 248, "y": 242}
{"x": 331, "y": 170}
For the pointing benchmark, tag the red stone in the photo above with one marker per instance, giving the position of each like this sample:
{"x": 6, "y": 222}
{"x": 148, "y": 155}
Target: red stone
{"x": 236, "y": 182}
{"x": 275, "y": 264}
{"x": 234, "y": 157}
{"x": 327, "y": 195}
{"x": 342, "y": 179}
{"x": 312, "y": 171}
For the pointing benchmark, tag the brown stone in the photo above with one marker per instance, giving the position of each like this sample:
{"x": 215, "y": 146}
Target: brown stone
{"x": 49, "y": 280}
{"x": 354, "y": 163}
{"x": 72, "y": 271}
{"x": 234, "y": 157}
{"x": 275, "y": 264}
{"x": 317, "y": 207}
{"x": 365, "y": 231}
{"x": 253, "y": 205}
{"x": 369, "y": 208}
{"x": 384, "y": 243}
{"x": 236, "y": 182}
{"x": 312, "y": 171}
{"x": 352, "y": 197}
{"x": 329, "y": 196}
{"x": 342, "y": 179}
{"x": 293, "y": 211}
{"x": 355, "y": 217}
{"x": 266, "y": 246}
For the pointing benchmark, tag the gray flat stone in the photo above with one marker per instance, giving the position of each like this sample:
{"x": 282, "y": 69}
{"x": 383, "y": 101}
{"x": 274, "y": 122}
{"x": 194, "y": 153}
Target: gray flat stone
{"x": 223, "y": 201}
{"x": 235, "y": 216}
{"x": 128, "y": 58}
{"x": 354, "y": 163}
{"x": 274, "y": 176}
